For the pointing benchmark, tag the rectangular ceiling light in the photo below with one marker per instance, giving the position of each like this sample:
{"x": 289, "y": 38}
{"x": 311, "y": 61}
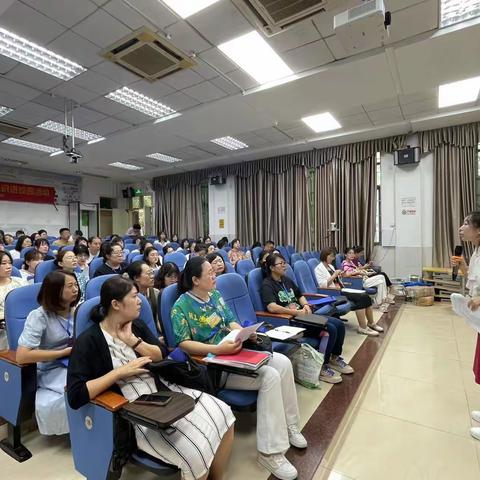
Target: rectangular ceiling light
{"x": 61, "y": 128}
{"x": 185, "y": 8}
{"x": 456, "y": 93}
{"x": 323, "y": 122}
{"x": 164, "y": 158}
{"x": 125, "y": 166}
{"x": 456, "y": 11}
{"x": 254, "y": 55}
{"x": 136, "y": 100}
{"x": 35, "y": 56}
{"x": 229, "y": 143}
{"x": 34, "y": 146}
{"x": 5, "y": 110}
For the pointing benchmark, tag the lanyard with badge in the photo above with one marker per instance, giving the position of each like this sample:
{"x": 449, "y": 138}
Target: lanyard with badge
{"x": 67, "y": 330}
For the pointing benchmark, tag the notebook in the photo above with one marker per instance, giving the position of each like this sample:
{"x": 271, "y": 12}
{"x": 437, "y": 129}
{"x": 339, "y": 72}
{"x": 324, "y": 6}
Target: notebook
{"x": 245, "y": 358}
{"x": 285, "y": 332}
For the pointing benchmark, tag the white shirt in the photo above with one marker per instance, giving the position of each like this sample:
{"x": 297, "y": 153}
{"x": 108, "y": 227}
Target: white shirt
{"x": 323, "y": 275}
{"x": 473, "y": 281}
{"x": 15, "y": 254}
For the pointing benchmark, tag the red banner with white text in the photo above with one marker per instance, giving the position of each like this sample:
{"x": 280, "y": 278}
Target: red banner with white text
{"x": 18, "y": 192}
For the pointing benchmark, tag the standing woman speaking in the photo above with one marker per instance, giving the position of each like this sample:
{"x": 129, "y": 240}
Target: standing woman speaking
{"x": 470, "y": 232}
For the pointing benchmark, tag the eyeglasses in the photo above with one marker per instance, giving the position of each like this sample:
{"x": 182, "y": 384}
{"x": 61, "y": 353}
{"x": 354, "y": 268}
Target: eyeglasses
{"x": 118, "y": 253}
{"x": 281, "y": 264}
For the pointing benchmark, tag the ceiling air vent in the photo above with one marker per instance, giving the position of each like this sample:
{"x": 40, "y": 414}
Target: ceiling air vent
{"x": 274, "y": 16}
{"x": 13, "y": 130}
{"x": 148, "y": 55}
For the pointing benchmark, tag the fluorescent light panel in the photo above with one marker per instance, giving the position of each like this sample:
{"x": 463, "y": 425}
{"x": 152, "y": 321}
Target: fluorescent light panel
{"x": 456, "y": 11}
{"x": 229, "y": 143}
{"x": 456, "y": 93}
{"x": 33, "y": 146}
{"x": 136, "y": 100}
{"x": 185, "y": 8}
{"x": 125, "y": 166}
{"x": 164, "y": 158}
{"x": 254, "y": 55}
{"x": 323, "y": 122}
{"x": 5, "y": 110}
{"x": 35, "y": 56}
{"x": 68, "y": 130}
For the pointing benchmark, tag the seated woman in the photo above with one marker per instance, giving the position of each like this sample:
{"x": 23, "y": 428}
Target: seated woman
{"x": 184, "y": 244}
{"x": 43, "y": 246}
{"x": 113, "y": 353}
{"x": 328, "y": 277}
{"x": 236, "y": 253}
{"x": 210, "y": 248}
{"x": 143, "y": 277}
{"x": 112, "y": 260}
{"x": 81, "y": 241}
{"x": 7, "y": 284}
{"x": 47, "y": 338}
{"x": 350, "y": 269}
{"x": 162, "y": 239}
{"x": 30, "y": 262}
{"x": 281, "y": 295}
{"x": 200, "y": 250}
{"x": 23, "y": 241}
{"x": 174, "y": 238}
{"x": 152, "y": 258}
{"x": 217, "y": 262}
{"x": 167, "y": 275}
{"x": 83, "y": 254}
{"x": 143, "y": 245}
{"x": 67, "y": 261}
{"x": 360, "y": 254}
{"x": 201, "y": 319}
{"x": 167, "y": 249}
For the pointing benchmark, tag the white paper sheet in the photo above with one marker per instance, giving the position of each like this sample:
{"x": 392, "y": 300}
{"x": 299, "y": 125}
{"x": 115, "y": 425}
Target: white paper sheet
{"x": 460, "y": 307}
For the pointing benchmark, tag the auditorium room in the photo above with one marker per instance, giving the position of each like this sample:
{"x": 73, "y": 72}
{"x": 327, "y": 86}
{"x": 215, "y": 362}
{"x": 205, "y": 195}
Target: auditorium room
{"x": 239, "y": 239}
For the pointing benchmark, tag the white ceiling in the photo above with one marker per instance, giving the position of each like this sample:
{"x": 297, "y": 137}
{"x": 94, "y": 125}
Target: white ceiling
{"x": 385, "y": 91}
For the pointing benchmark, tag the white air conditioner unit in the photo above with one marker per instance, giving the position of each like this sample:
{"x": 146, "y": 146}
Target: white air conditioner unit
{"x": 275, "y": 16}
{"x": 363, "y": 27}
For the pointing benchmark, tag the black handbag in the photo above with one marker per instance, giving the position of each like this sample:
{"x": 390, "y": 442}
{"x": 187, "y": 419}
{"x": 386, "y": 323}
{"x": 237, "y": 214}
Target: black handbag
{"x": 180, "y": 368}
{"x": 262, "y": 343}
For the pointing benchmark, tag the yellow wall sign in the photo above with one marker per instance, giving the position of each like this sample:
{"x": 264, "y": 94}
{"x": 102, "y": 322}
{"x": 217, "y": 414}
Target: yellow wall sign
{"x": 221, "y": 223}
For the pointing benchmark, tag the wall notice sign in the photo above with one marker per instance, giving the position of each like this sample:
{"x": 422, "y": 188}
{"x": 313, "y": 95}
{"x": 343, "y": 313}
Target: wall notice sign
{"x": 409, "y": 211}
{"x": 408, "y": 202}
{"x": 16, "y": 192}
{"x": 221, "y": 210}
{"x": 221, "y": 223}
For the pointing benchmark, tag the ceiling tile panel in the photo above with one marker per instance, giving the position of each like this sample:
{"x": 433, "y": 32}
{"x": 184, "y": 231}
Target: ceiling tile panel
{"x": 127, "y": 15}
{"x": 17, "y": 89}
{"x": 101, "y": 29}
{"x": 11, "y": 101}
{"x": 156, "y": 90}
{"x": 226, "y": 86}
{"x": 133, "y": 117}
{"x": 32, "y": 114}
{"x": 414, "y": 109}
{"x": 386, "y": 115}
{"x": 27, "y": 22}
{"x": 301, "y": 34}
{"x": 204, "y": 92}
{"x": 108, "y": 126}
{"x": 50, "y": 101}
{"x": 184, "y": 37}
{"x": 308, "y": 56}
{"x": 217, "y": 59}
{"x": 204, "y": 70}
{"x": 95, "y": 82}
{"x": 357, "y": 120}
{"x": 116, "y": 73}
{"x": 336, "y": 47}
{"x": 183, "y": 79}
{"x": 6, "y": 64}
{"x": 32, "y": 77}
{"x": 66, "y": 12}
{"x": 76, "y": 48}
{"x": 387, "y": 103}
{"x": 179, "y": 101}
{"x": 242, "y": 79}
{"x": 220, "y": 23}
{"x": 73, "y": 92}
{"x": 156, "y": 12}
{"x": 105, "y": 106}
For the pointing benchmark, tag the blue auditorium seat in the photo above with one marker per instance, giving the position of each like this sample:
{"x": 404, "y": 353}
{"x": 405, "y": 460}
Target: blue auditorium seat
{"x": 291, "y": 249}
{"x": 295, "y": 257}
{"x": 94, "y": 285}
{"x": 224, "y": 255}
{"x": 25, "y": 251}
{"x": 284, "y": 252}
{"x": 244, "y": 266}
{"x": 94, "y": 264}
{"x": 16, "y": 272}
{"x": 94, "y": 427}
{"x": 17, "y": 382}
{"x": 256, "y": 253}
{"x": 177, "y": 258}
{"x": 43, "y": 269}
{"x": 18, "y": 262}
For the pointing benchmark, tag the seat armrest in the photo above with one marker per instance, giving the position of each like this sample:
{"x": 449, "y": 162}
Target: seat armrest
{"x": 315, "y": 295}
{"x": 274, "y": 315}
{"x": 110, "y": 400}
{"x": 10, "y": 356}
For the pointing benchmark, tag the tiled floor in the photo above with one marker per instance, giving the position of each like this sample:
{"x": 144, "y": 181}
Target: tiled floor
{"x": 413, "y": 420}
{"x": 52, "y": 457}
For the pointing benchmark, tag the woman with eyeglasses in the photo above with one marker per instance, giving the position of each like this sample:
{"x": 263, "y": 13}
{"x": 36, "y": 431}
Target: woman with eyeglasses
{"x": 47, "y": 340}
{"x": 67, "y": 261}
{"x": 281, "y": 295}
{"x": 217, "y": 262}
{"x": 7, "y": 284}
{"x": 167, "y": 275}
{"x": 112, "y": 260}
{"x": 201, "y": 320}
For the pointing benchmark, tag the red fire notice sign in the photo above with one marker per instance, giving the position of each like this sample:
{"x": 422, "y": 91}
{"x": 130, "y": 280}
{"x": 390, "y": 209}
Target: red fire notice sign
{"x": 18, "y": 192}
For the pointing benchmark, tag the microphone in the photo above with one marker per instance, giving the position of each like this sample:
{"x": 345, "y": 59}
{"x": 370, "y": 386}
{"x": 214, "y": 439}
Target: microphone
{"x": 456, "y": 253}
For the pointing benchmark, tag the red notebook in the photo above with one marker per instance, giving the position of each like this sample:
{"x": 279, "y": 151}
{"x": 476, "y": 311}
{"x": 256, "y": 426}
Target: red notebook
{"x": 250, "y": 359}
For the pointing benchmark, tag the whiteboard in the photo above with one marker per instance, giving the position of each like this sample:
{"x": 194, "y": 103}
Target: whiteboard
{"x": 32, "y": 216}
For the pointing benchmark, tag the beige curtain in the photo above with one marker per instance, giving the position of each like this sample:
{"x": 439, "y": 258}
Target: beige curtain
{"x": 455, "y": 151}
{"x": 274, "y": 207}
{"x": 179, "y": 210}
{"x": 345, "y": 194}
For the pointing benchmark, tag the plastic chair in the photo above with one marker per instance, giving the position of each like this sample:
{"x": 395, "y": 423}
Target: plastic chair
{"x": 295, "y": 257}
{"x": 307, "y": 256}
{"x": 174, "y": 245}
{"x": 256, "y": 253}
{"x": 95, "y": 427}
{"x": 291, "y": 249}
{"x": 94, "y": 285}
{"x": 284, "y": 252}
{"x": 68, "y": 248}
{"x": 224, "y": 255}
{"x": 43, "y": 269}
{"x": 130, "y": 246}
{"x": 137, "y": 257}
{"x": 229, "y": 268}
{"x": 312, "y": 264}
{"x": 18, "y": 262}
{"x": 339, "y": 258}
{"x": 177, "y": 258}
{"x": 9, "y": 247}
{"x": 241, "y": 400}
{"x": 244, "y": 266}
{"x": 316, "y": 255}
{"x": 16, "y": 272}
{"x": 25, "y": 251}
{"x": 94, "y": 264}
{"x": 17, "y": 382}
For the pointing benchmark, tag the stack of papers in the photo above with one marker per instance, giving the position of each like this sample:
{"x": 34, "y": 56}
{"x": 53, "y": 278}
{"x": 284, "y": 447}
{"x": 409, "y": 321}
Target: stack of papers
{"x": 247, "y": 359}
{"x": 285, "y": 332}
{"x": 242, "y": 334}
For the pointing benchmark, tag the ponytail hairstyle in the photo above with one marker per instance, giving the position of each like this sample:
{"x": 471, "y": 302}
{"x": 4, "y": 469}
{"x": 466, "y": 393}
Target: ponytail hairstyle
{"x": 115, "y": 288}
{"x": 193, "y": 268}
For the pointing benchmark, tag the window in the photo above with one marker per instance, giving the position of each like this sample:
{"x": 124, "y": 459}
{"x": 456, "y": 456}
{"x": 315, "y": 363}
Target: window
{"x": 378, "y": 210}
{"x": 456, "y": 11}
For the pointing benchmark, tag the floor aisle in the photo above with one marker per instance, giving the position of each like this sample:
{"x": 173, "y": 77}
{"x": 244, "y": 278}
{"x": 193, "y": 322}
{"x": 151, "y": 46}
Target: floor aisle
{"x": 413, "y": 420}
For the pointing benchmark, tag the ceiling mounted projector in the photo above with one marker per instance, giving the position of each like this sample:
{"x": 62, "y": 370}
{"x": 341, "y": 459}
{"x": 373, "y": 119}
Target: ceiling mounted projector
{"x": 363, "y": 27}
